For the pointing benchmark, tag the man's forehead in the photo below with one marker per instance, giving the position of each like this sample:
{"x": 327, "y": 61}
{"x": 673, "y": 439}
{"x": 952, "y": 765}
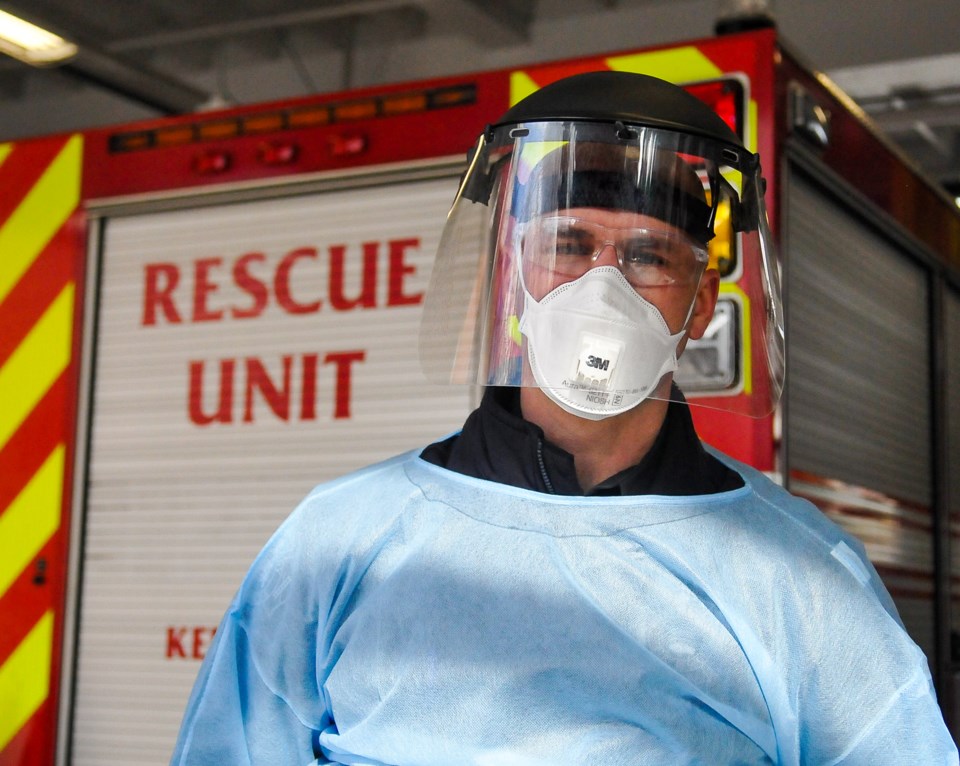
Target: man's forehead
{"x": 617, "y": 219}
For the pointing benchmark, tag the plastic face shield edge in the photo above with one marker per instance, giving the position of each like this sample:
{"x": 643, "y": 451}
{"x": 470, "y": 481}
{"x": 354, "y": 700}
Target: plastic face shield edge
{"x": 549, "y": 217}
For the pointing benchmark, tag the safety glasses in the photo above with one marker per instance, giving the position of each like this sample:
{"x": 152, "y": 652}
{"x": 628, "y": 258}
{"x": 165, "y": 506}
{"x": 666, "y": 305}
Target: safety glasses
{"x": 562, "y": 248}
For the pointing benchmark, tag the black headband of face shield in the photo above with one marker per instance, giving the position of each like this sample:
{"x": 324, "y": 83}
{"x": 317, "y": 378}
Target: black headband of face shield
{"x": 612, "y": 190}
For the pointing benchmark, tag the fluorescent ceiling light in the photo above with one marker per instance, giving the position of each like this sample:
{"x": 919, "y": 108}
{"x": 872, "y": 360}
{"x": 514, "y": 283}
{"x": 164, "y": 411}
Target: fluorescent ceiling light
{"x": 32, "y": 44}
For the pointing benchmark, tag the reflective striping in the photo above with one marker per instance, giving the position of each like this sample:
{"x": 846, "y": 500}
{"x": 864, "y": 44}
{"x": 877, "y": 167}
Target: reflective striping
{"x": 37, "y": 362}
{"x": 39, "y": 192}
{"x": 521, "y": 86}
{"x": 31, "y": 519}
{"x": 42, "y": 213}
{"x": 752, "y": 138}
{"x": 25, "y": 679}
{"x": 686, "y": 64}
{"x": 680, "y": 65}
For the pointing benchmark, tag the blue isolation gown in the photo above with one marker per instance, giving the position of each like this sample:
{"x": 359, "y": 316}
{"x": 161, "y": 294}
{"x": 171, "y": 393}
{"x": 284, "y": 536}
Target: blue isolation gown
{"x": 406, "y": 614}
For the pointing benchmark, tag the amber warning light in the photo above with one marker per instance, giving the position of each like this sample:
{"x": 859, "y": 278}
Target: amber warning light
{"x": 339, "y": 112}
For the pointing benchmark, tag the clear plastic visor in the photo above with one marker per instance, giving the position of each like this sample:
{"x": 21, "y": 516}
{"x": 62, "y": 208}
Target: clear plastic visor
{"x": 545, "y": 205}
{"x": 561, "y": 247}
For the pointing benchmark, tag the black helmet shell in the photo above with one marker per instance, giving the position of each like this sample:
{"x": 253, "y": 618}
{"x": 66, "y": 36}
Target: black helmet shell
{"x": 627, "y": 97}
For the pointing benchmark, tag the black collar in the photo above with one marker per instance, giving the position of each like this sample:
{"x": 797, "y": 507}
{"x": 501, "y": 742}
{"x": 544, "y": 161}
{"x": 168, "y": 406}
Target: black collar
{"x": 497, "y": 444}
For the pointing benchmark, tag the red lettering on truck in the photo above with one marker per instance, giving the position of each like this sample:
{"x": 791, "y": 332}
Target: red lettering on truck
{"x": 160, "y": 280}
{"x": 276, "y": 391}
{"x": 221, "y": 289}
{"x": 189, "y": 642}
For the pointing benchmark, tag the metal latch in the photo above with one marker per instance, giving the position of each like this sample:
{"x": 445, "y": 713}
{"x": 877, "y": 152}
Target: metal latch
{"x": 808, "y": 119}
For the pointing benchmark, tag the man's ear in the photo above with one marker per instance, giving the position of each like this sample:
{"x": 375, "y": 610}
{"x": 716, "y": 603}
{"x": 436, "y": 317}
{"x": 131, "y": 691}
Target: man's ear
{"x": 705, "y": 303}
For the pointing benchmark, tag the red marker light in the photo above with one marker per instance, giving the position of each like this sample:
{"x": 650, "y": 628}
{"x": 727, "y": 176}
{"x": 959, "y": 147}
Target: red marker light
{"x": 277, "y": 153}
{"x": 210, "y": 163}
{"x": 345, "y": 146}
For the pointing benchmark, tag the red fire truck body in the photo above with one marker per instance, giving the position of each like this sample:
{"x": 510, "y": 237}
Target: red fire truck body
{"x": 204, "y": 316}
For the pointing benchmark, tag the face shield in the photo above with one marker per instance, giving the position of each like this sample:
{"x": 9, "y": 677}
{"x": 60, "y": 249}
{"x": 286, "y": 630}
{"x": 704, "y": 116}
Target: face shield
{"x": 583, "y": 258}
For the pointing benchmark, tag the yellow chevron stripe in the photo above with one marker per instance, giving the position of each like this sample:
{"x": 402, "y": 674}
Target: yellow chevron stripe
{"x": 680, "y": 65}
{"x": 686, "y": 64}
{"x": 40, "y": 215}
{"x": 5, "y": 149}
{"x": 25, "y": 679}
{"x": 31, "y": 519}
{"x": 36, "y": 364}
{"x": 521, "y": 86}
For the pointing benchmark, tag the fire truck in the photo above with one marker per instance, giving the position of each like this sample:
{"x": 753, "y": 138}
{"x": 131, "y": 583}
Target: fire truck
{"x": 204, "y": 316}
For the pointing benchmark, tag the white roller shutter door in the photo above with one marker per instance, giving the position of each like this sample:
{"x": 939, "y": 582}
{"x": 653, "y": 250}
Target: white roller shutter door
{"x": 858, "y": 352}
{"x": 181, "y": 497}
{"x": 858, "y": 394}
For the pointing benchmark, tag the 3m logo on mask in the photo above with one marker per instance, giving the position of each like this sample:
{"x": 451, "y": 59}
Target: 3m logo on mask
{"x": 597, "y": 363}
{"x": 597, "y": 360}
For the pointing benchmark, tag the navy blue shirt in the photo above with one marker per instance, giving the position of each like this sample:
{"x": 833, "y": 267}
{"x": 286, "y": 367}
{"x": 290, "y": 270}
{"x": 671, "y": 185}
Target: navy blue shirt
{"x": 497, "y": 444}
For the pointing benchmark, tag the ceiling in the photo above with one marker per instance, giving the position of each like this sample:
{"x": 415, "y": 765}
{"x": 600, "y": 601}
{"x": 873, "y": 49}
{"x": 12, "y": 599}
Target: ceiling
{"x": 900, "y": 60}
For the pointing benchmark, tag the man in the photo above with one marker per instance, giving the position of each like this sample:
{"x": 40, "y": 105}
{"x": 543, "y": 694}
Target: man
{"x": 573, "y": 578}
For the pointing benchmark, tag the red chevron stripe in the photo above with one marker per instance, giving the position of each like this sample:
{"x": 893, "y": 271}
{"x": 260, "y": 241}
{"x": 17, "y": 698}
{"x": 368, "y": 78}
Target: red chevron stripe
{"x": 33, "y": 745}
{"x": 20, "y": 458}
{"x": 28, "y": 600}
{"x": 33, "y": 442}
{"x": 50, "y": 423}
{"x": 544, "y": 75}
{"x": 36, "y": 289}
{"x": 25, "y": 601}
{"x": 23, "y": 167}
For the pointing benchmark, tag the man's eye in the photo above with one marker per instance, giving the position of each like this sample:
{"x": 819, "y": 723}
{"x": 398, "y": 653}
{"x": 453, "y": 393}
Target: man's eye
{"x": 572, "y": 246}
{"x": 643, "y": 254}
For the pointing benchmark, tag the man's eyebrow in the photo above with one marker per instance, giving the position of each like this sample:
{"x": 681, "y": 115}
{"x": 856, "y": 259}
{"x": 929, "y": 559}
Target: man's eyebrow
{"x": 574, "y": 230}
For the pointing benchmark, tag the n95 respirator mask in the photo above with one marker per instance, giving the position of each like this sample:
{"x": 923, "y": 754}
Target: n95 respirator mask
{"x": 595, "y": 346}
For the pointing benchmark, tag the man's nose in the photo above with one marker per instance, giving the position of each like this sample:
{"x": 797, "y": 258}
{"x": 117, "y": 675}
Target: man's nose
{"x": 607, "y": 256}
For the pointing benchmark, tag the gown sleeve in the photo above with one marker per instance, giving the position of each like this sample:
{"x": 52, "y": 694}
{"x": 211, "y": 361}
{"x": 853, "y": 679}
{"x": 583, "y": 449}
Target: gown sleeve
{"x": 843, "y": 681}
{"x": 868, "y": 697}
{"x": 909, "y": 731}
{"x": 235, "y": 716}
{"x": 259, "y": 699}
